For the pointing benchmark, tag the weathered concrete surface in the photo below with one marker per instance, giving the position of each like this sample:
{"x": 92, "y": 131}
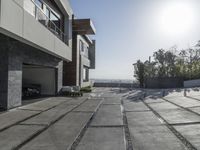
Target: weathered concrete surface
{"x": 193, "y": 91}
{"x": 115, "y": 100}
{"x": 61, "y": 135}
{"x": 103, "y": 139}
{"x": 153, "y": 100}
{"x": 76, "y": 100}
{"x": 14, "y": 116}
{"x": 108, "y": 115}
{"x": 142, "y": 119}
{"x": 196, "y": 109}
{"x": 191, "y": 133}
{"x": 149, "y": 133}
{"x": 163, "y": 106}
{"x": 154, "y": 138}
{"x": 184, "y": 101}
{"x": 14, "y": 136}
{"x": 44, "y": 105}
{"x": 51, "y": 115}
{"x": 174, "y": 92}
{"x": 195, "y": 96}
{"x": 176, "y": 116}
{"x": 89, "y": 106}
{"x": 135, "y": 106}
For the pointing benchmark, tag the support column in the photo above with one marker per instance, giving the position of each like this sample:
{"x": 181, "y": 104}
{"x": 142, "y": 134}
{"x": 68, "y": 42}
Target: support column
{"x": 10, "y": 78}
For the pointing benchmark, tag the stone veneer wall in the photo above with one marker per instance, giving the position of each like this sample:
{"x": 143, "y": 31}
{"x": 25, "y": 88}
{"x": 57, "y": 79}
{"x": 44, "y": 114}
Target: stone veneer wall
{"x": 13, "y": 55}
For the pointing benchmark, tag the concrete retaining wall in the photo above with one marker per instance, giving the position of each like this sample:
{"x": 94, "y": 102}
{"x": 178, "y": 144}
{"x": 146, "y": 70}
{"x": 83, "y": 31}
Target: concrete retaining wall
{"x": 123, "y": 85}
{"x": 192, "y": 83}
{"x": 164, "y": 83}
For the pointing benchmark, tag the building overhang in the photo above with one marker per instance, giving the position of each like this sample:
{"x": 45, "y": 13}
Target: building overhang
{"x": 84, "y": 27}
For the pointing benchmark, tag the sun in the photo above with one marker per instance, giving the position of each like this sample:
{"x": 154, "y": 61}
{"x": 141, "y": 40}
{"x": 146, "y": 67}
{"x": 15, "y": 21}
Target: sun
{"x": 177, "y": 18}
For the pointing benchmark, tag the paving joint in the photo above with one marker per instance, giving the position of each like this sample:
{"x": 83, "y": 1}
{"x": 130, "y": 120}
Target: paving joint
{"x": 39, "y": 112}
{"x": 46, "y": 127}
{"x": 137, "y": 111}
{"x": 106, "y": 126}
{"x": 185, "y": 142}
{"x": 82, "y": 133}
{"x": 23, "y": 124}
{"x": 187, "y": 109}
{"x": 193, "y": 98}
{"x": 183, "y": 124}
{"x": 111, "y": 104}
{"x": 129, "y": 144}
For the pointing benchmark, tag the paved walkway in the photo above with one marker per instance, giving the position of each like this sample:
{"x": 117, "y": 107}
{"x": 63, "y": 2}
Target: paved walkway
{"x": 105, "y": 120}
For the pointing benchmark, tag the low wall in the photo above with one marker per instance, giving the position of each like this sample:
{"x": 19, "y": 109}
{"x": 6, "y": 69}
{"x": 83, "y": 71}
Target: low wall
{"x": 192, "y": 83}
{"x": 123, "y": 85}
{"x": 164, "y": 83}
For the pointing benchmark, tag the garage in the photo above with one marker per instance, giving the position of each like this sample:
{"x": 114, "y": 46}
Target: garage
{"x": 38, "y": 81}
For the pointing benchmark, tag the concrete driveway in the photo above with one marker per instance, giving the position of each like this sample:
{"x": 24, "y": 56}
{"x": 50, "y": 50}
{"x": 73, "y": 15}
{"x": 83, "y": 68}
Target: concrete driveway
{"x": 107, "y": 119}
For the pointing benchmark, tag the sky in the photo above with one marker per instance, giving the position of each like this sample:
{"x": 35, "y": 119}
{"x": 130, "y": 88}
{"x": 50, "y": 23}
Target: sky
{"x": 128, "y": 30}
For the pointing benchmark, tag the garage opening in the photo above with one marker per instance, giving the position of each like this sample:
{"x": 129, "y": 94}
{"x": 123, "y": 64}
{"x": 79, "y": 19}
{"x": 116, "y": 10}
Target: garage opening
{"x": 38, "y": 81}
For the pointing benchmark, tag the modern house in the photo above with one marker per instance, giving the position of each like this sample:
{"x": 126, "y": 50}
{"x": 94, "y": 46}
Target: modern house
{"x": 76, "y": 73}
{"x": 35, "y": 39}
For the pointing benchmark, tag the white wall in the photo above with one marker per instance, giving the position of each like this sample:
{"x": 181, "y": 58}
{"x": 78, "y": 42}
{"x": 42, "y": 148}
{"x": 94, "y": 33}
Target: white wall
{"x": 46, "y": 77}
{"x": 17, "y": 23}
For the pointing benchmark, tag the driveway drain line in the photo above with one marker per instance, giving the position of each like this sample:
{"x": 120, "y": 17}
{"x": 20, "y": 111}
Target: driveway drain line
{"x": 129, "y": 145}
{"x": 172, "y": 129}
{"x": 82, "y": 133}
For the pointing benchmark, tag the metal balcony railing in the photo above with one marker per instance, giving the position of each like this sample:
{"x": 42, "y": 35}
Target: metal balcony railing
{"x": 39, "y": 15}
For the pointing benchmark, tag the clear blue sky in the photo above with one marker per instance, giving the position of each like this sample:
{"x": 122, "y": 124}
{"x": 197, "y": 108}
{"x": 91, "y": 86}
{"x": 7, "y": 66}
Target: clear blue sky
{"x": 128, "y": 30}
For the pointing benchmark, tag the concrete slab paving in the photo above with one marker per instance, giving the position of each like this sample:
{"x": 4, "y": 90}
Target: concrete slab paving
{"x": 184, "y": 101}
{"x": 44, "y": 105}
{"x": 73, "y": 101}
{"x": 16, "y": 135}
{"x": 135, "y": 106}
{"x": 195, "y": 96}
{"x": 177, "y": 116}
{"x": 191, "y": 133}
{"x": 114, "y": 100}
{"x": 108, "y": 115}
{"x": 61, "y": 135}
{"x": 51, "y": 115}
{"x": 163, "y": 106}
{"x": 142, "y": 119}
{"x": 103, "y": 139}
{"x": 154, "y": 138}
{"x": 14, "y": 116}
{"x": 196, "y": 109}
{"x": 89, "y": 106}
{"x": 174, "y": 92}
{"x": 193, "y": 91}
{"x": 153, "y": 100}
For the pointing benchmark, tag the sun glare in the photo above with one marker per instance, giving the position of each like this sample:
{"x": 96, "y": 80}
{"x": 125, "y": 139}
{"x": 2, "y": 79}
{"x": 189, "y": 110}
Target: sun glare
{"x": 177, "y": 19}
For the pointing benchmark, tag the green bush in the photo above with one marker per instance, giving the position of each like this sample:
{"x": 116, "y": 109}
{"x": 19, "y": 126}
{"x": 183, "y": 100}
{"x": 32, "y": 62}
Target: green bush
{"x": 87, "y": 89}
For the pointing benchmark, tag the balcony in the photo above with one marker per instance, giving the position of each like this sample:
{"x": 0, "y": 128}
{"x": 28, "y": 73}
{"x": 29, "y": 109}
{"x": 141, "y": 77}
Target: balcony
{"x": 83, "y": 26}
{"x": 32, "y": 8}
{"x": 23, "y": 21}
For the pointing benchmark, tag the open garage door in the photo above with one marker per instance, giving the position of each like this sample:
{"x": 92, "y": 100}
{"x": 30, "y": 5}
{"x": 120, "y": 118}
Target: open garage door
{"x": 39, "y": 80}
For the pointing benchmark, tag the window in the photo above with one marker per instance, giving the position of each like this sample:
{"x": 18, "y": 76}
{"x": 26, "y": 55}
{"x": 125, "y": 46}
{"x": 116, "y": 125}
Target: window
{"x": 39, "y": 3}
{"x": 81, "y": 46}
{"x": 55, "y": 19}
{"x": 85, "y": 74}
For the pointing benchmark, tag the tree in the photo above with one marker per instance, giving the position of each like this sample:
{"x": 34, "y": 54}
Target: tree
{"x": 139, "y": 72}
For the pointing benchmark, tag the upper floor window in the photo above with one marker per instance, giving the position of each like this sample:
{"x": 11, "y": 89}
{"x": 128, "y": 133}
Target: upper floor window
{"x": 39, "y": 3}
{"x": 81, "y": 46}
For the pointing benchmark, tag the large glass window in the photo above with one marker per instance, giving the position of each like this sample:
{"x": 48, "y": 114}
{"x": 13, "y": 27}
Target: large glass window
{"x": 39, "y": 3}
{"x": 81, "y": 46}
{"x": 85, "y": 74}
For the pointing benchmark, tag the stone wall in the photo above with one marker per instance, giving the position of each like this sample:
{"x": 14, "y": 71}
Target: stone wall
{"x": 13, "y": 55}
